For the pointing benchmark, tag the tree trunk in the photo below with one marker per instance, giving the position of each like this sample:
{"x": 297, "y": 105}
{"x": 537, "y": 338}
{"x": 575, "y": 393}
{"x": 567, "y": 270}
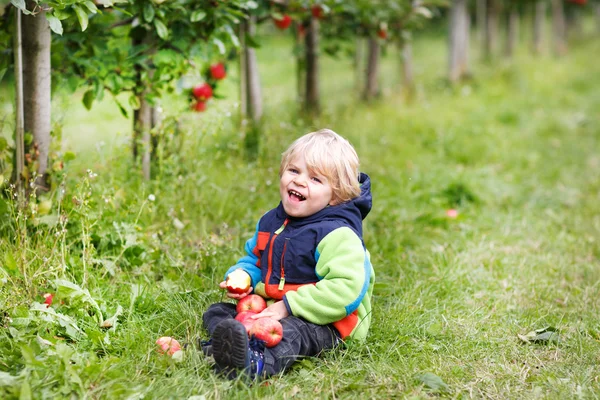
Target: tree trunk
{"x": 512, "y": 32}
{"x": 597, "y": 7}
{"x": 37, "y": 90}
{"x": 312, "y": 102}
{"x": 539, "y": 22}
{"x": 408, "y": 76}
{"x": 20, "y": 121}
{"x": 143, "y": 126}
{"x": 372, "y": 71}
{"x": 481, "y": 22}
{"x": 359, "y": 55}
{"x": 156, "y": 118}
{"x": 491, "y": 32}
{"x": 458, "y": 41}
{"x": 254, "y": 93}
{"x": 559, "y": 28}
{"x": 299, "y": 53}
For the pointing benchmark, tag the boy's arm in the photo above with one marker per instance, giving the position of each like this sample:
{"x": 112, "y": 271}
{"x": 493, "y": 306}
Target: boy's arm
{"x": 345, "y": 270}
{"x": 248, "y": 262}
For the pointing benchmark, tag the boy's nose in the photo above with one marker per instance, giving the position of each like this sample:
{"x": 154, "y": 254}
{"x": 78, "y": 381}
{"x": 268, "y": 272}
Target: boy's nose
{"x": 300, "y": 180}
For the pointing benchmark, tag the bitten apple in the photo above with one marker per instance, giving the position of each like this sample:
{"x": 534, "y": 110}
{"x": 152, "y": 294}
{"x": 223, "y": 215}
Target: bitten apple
{"x": 244, "y": 318}
{"x": 268, "y": 330}
{"x": 238, "y": 281}
{"x": 168, "y": 345}
{"x": 252, "y": 302}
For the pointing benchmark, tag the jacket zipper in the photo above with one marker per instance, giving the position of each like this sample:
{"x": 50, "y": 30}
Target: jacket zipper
{"x": 270, "y": 257}
{"x": 282, "y": 274}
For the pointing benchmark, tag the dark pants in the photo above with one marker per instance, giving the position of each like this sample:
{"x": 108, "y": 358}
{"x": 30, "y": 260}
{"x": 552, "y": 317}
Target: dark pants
{"x": 300, "y": 338}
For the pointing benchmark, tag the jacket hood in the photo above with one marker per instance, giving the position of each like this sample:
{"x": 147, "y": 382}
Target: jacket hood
{"x": 353, "y": 211}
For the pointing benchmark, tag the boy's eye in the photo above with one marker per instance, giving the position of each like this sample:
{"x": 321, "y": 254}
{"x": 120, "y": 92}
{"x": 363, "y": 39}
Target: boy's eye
{"x": 316, "y": 179}
{"x": 293, "y": 170}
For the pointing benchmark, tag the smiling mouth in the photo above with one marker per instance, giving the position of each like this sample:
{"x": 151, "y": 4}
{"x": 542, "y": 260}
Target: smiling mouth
{"x": 296, "y": 195}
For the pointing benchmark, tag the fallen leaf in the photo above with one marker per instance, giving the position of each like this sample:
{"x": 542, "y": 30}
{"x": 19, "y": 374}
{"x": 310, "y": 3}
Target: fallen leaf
{"x": 545, "y": 335}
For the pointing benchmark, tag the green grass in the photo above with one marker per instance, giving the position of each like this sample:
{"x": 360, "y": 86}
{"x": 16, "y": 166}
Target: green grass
{"x": 514, "y": 150}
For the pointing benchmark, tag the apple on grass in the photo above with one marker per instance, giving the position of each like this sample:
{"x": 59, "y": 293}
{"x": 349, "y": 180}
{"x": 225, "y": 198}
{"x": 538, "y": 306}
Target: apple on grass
{"x": 268, "y": 330}
{"x": 168, "y": 345}
{"x": 252, "y": 302}
{"x": 238, "y": 281}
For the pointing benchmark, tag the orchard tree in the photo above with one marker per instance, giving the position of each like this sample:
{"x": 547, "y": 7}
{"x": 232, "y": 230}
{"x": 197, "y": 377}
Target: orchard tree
{"x": 458, "y": 40}
{"x": 143, "y": 47}
{"x": 31, "y": 54}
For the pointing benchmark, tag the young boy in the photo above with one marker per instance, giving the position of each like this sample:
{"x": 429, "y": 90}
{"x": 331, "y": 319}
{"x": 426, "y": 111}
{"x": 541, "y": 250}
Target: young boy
{"x": 309, "y": 257}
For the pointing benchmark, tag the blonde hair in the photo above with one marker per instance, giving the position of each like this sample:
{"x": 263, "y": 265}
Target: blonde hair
{"x": 330, "y": 155}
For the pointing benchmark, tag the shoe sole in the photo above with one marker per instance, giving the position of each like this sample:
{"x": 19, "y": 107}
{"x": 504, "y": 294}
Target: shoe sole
{"x": 230, "y": 345}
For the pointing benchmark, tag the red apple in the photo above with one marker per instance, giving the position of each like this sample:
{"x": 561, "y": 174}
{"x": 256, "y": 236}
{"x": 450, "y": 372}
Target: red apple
{"x": 238, "y": 281}
{"x": 382, "y": 33}
{"x": 200, "y": 106}
{"x": 168, "y": 345}
{"x": 452, "y": 213}
{"x": 284, "y": 22}
{"x": 202, "y": 92}
{"x": 268, "y": 330}
{"x": 217, "y": 71}
{"x": 252, "y": 302}
{"x": 244, "y": 318}
{"x": 316, "y": 11}
{"x": 48, "y": 299}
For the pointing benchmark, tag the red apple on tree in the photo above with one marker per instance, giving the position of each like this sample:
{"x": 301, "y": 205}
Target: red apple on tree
{"x": 252, "y": 302}
{"x": 284, "y": 22}
{"x": 268, "y": 330}
{"x": 238, "y": 281}
{"x": 382, "y": 33}
{"x": 217, "y": 71}
{"x": 316, "y": 11}
{"x": 202, "y": 92}
{"x": 200, "y": 106}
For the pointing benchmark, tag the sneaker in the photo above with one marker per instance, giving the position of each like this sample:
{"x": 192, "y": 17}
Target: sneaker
{"x": 205, "y": 346}
{"x": 235, "y": 353}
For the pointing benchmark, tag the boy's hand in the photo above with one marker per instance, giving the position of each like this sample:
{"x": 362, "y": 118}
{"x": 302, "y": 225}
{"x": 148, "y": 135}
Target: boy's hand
{"x": 236, "y": 296}
{"x": 277, "y": 311}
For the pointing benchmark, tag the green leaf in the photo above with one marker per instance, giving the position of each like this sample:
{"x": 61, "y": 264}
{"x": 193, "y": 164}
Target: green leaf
{"x": 148, "y": 12}
{"x": 197, "y": 15}
{"x": 55, "y": 24}
{"x": 81, "y": 16}
{"x": 161, "y": 29}
{"x": 232, "y": 35}
{"x": 10, "y": 264}
{"x": 91, "y": 6}
{"x": 7, "y": 379}
{"x": 134, "y": 101}
{"x": 20, "y": 4}
{"x": 68, "y": 156}
{"x": 251, "y": 5}
{"x": 219, "y": 43}
{"x": 432, "y": 381}
{"x": 251, "y": 42}
{"x": 88, "y": 99}
{"x": 25, "y": 392}
{"x": 2, "y": 72}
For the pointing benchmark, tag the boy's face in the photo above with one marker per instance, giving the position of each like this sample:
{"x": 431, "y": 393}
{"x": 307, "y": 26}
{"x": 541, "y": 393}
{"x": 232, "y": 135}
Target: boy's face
{"x": 303, "y": 192}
